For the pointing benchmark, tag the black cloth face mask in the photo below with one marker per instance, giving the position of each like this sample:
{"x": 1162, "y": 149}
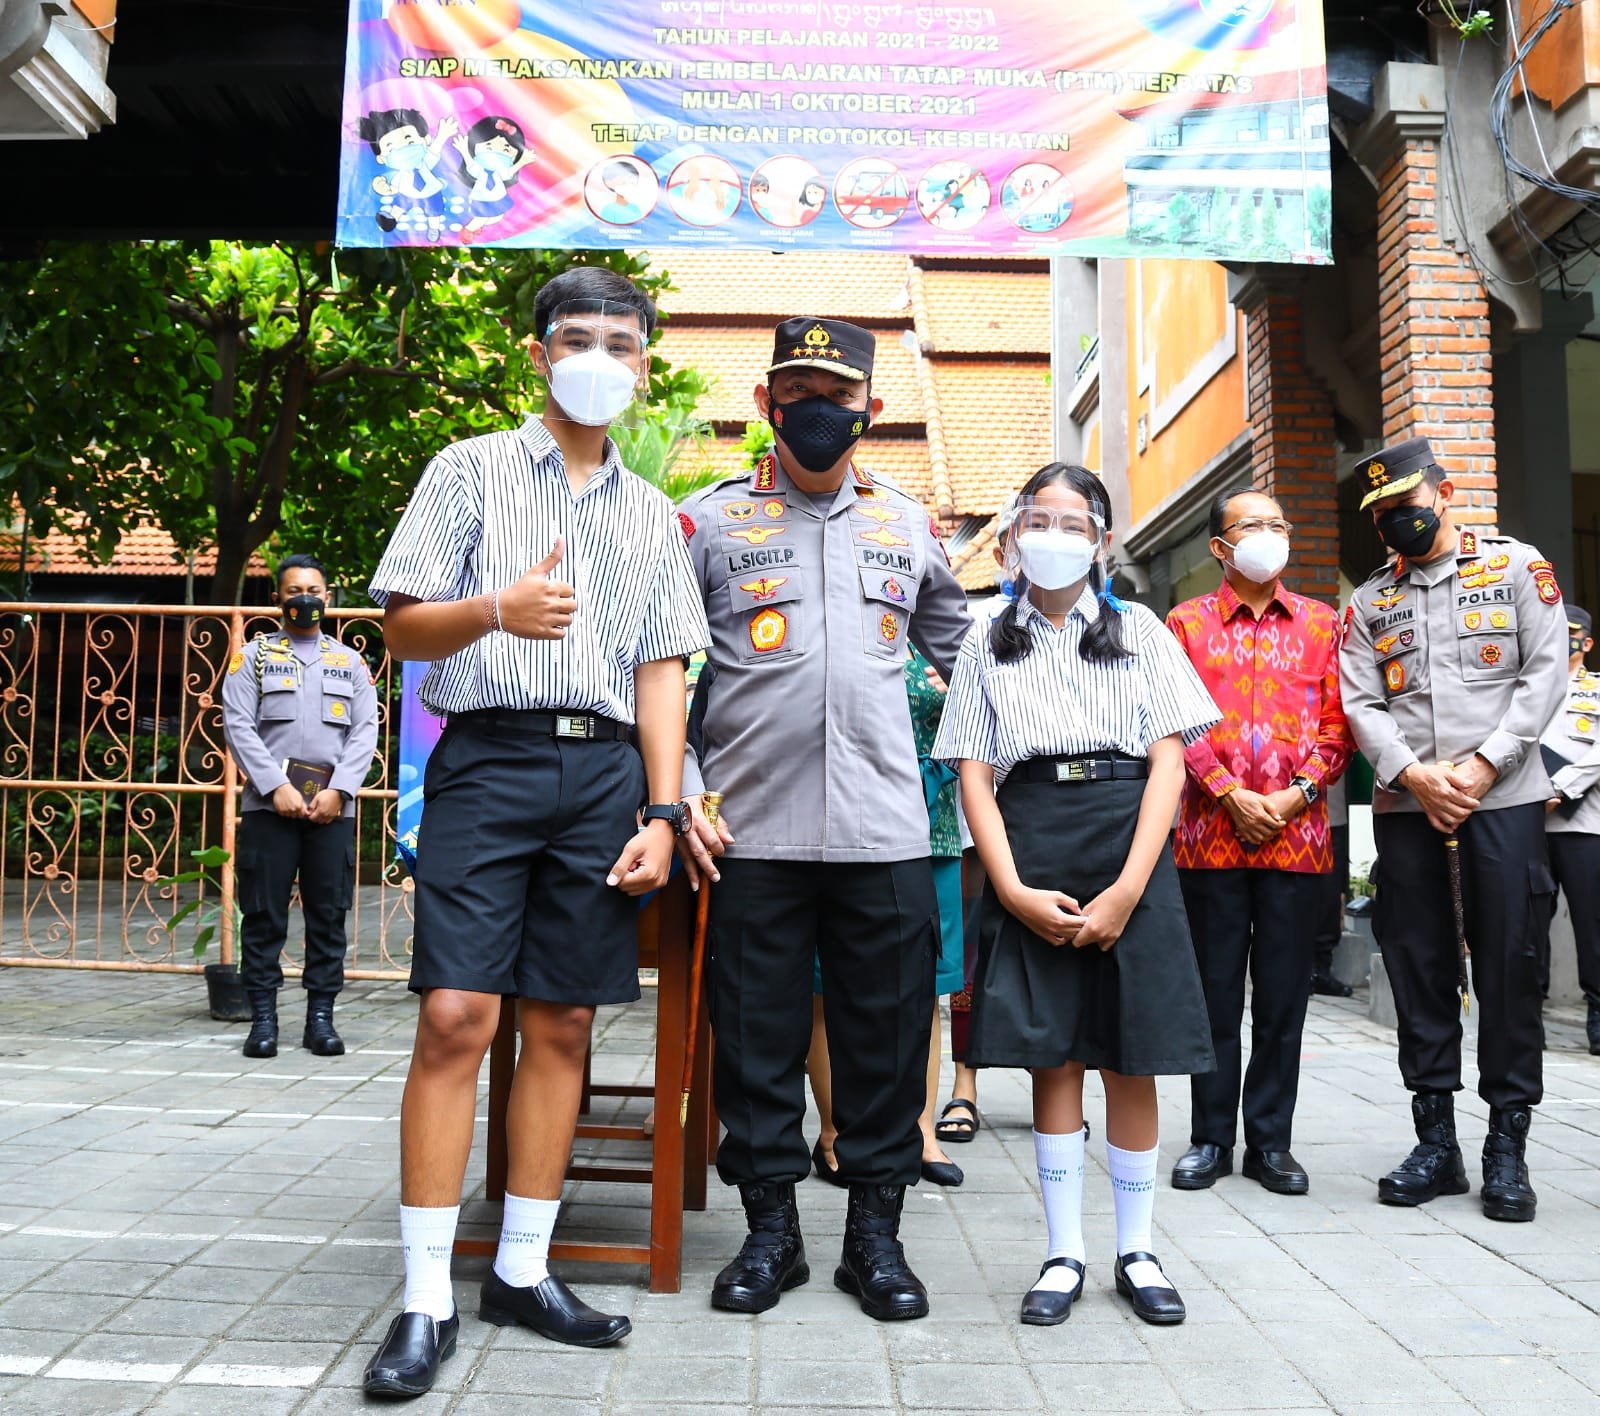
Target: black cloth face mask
{"x": 1410, "y": 530}
{"x": 304, "y": 611}
{"x": 817, "y": 430}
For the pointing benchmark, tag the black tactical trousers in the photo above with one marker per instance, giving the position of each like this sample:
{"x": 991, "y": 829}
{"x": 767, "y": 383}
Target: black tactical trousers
{"x": 1330, "y": 911}
{"x": 1508, "y": 889}
{"x": 1575, "y": 862}
{"x": 876, "y": 931}
{"x": 1260, "y": 922}
{"x": 272, "y": 851}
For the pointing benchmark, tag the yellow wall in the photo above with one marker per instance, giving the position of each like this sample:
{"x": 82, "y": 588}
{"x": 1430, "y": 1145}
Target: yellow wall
{"x": 1177, "y": 314}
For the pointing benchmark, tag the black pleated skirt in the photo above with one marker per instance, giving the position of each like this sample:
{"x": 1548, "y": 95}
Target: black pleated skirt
{"x": 1136, "y": 1008}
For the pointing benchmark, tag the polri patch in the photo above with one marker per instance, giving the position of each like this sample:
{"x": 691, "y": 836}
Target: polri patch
{"x": 768, "y": 630}
{"x": 1395, "y": 675}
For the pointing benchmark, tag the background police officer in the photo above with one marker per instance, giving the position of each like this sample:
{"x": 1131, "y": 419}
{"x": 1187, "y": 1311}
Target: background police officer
{"x": 1453, "y": 662}
{"x": 297, "y": 700}
{"x": 815, "y": 576}
{"x": 1571, "y": 750}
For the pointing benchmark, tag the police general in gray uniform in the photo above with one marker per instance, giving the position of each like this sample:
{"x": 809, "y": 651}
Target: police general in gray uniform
{"x": 1454, "y": 660}
{"x": 301, "y": 719}
{"x": 1571, "y": 751}
{"x": 816, "y": 576}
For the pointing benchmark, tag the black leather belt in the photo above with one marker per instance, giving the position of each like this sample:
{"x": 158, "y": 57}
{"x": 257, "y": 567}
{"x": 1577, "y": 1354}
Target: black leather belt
{"x": 1079, "y": 769}
{"x": 585, "y": 727}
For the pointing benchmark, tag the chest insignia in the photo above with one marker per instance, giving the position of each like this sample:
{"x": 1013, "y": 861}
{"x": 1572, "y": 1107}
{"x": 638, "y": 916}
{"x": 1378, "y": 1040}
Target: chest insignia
{"x": 757, "y": 535}
{"x": 236, "y": 662}
{"x": 889, "y": 629}
{"x": 882, "y": 537}
{"x": 768, "y": 630}
{"x": 766, "y": 587}
{"x": 1389, "y": 597}
{"x": 1491, "y": 654}
{"x": 1473, "y": 619}
{"x": 881, "y": 514}
{"x": 739, "y": 510}
{"x": 1394, "y": 674}
{"x": 1499, "y": 562}
{"x": 894, "y": 590}
{"x": 1384, "y": 645}
{"x": 773, "y": 509}
{"x": 1583, "y": 725}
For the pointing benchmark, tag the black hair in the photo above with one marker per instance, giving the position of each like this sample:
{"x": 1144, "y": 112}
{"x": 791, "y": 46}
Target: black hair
{"x": 1217, "y": 518}
{"x": 486, "y": 130}
{"x": 1009, "y": 639}
{"x": 1432, "y": 475}
{"x": 612, "y": 170}
{"x": 807, "y": 185}
{"x": 299, "y": 561}
{"x": 385, "y": 120}
{"x": 588, "y": 288}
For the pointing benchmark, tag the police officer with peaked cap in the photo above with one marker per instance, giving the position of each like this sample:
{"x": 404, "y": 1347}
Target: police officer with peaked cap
{"x": 1453, "y": 662}
{"x": 816, "y": 575}
{"x": 1571, "y": 751}
{"x": 297, "y": 698}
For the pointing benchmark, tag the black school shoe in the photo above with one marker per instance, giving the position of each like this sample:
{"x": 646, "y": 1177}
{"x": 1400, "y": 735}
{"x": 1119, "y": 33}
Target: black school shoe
{"x": 408, "y": 1358}
{"x": 1201, "y": 1166}
{"x": 1277, "y": 1171}
{"x": 552, "y": 1310}
{"x": 1045, "y": 1307}
{"x": 1161, "y": 1306}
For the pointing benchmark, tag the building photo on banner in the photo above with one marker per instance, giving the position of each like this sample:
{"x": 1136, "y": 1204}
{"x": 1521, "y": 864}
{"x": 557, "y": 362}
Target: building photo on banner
{"x": 1157, "y": 128}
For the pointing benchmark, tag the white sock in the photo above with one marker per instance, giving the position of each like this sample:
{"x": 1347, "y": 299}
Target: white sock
{"x": 427, "y": 1237}
{"x": 1133, "y": 1191}
{"x": 523, "y": 1259}
{"x": 1060, "y": 1162}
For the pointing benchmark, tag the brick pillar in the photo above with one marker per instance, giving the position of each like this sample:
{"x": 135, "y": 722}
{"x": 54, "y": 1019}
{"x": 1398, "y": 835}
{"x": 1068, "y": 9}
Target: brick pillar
{"x": 1433, "y": 311}
{"x": 1293, "y": 451}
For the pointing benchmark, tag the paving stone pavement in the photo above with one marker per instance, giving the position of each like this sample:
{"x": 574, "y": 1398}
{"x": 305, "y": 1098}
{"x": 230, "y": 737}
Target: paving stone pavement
{"x": 186, "y": 1231}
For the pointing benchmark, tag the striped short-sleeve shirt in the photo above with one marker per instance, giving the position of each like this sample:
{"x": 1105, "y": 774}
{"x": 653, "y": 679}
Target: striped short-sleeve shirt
{"x": 1054, "y": 702}
{"x": 489, "y": 508}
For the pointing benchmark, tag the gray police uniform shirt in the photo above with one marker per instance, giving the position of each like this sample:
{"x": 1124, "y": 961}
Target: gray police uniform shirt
{"x": 1574, "y": 734}
{"x": 1465, "y": 654}
{"x": 307, "y": 698}
{"x": 807, "y": 727}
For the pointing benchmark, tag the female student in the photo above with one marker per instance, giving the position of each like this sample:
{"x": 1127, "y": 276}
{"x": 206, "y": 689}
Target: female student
{"x": 1068, "y": 715}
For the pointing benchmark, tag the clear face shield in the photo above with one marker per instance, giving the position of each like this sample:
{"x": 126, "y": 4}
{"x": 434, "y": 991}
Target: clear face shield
{"x": 1050, "y": 545}
{"x": 597, "y": 353}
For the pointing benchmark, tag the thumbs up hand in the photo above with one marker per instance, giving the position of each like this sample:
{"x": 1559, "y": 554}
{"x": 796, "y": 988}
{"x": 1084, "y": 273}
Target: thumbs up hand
{"x": 537, "y": 607}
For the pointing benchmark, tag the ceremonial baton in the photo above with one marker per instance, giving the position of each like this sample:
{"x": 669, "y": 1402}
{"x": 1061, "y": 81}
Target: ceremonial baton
{"x": 1452, "y": 855}
{"x": 712, "y": 802}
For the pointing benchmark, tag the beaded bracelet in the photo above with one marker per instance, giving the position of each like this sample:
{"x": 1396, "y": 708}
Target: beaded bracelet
{"x": 491, "y": 609}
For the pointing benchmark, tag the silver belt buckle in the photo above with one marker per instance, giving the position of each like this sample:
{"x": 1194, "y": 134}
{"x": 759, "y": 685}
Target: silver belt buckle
{"x": 574, "y": 727}
{"x": 1072, "y": 771}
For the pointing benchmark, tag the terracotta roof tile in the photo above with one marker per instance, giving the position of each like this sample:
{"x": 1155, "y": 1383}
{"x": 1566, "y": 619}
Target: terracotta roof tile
{"x": 737, "y": 358}
{"x": 774, "y": 287}
{"x": 987, "y": 312}
{"x": 996, "y": 422}
{"x": 143, "y": 550}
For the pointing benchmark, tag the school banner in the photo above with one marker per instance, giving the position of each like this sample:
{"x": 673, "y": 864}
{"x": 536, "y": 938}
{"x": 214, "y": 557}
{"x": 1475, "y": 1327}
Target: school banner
{"x": 1135, "y": 127}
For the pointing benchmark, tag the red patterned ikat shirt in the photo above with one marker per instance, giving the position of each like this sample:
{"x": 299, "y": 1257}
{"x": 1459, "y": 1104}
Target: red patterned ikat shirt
{"x": 1276, "y": 681}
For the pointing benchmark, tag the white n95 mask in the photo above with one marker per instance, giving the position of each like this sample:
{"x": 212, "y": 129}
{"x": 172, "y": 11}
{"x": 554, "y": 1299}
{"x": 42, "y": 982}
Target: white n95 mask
{"x": 592, "y": 387}
{"x": 1053, "y": 560}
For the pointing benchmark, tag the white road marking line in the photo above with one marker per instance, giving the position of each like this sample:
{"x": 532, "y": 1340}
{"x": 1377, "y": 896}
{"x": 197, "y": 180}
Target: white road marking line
{"x": 51, "y": 1231}
{"x": 243, "y": 1374}
{"x": 18, "y": 1366}
{"x": 73, "y": 1369}
{"x": 280, "y": 1238}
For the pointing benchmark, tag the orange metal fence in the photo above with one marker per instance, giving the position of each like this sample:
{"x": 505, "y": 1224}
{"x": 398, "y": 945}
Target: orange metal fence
{"x": 113, "y": 769}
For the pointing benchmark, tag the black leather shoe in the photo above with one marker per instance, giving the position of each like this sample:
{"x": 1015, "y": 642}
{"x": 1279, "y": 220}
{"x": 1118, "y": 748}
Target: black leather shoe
{"x": 1594, "y": 1031}
{"x": 1434, "y": 1166}
{"x": 1043, "y": 1307}
{"x": 1329, "y": 986}
{"x": 1277, "y": 1171}
{"x": 830, "y": 1173}
{"x": 773, "y": 1257}
{"x": 1161, "y": 1306}
{"x": 873, "y": 1266}
{"x": 552, "y": 1310}
{"x": 263, "y": 1039}
{"x": 1201, "y": 1166}
{"x": 319, "y": 1037}
{"x": 1506, "y": 1192}
{"x": 942, "y": 1172}
{"x": 408, "y": 1358}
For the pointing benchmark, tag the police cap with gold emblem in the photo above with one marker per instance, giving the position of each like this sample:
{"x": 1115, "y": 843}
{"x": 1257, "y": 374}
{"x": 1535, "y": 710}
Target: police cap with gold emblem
{"x": 1393, "y": 471}
{"x": 1578, "y": 620}
{"x": 803, "y": 342}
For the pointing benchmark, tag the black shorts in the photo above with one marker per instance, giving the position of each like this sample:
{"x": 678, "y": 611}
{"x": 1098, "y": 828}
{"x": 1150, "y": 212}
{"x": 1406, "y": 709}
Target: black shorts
{"x": 519, "y": 831}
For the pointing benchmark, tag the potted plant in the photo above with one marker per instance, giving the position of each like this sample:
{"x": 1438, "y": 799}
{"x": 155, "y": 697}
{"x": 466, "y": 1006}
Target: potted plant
{"x": 224, "y": 987}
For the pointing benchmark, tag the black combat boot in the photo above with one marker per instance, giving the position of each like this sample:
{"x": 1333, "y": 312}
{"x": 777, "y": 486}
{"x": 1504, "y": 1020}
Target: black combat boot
{"x": 263, "y": 1039}
{"x": 873, "y": 1266}
{"x": 1434, "y": 1167}
{"x": 1506, "y": 1191}
{"x": 773, "y": 1257}
{"x": 1594, "y": 1031}
{"x": 320, "y": 1038}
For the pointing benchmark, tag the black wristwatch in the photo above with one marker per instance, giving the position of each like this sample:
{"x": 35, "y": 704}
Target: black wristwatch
{"x": 677, "y": 813}
{"x": 1308, "y": 788}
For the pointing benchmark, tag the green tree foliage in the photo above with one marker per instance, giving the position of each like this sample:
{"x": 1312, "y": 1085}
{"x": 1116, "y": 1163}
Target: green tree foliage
{"x": 1271, "y": 237}
{"x": 1245, "y": 237}
{"x": 1319, "y": 217}
{"x": 258, "y": 396}
{"x": 1220, "y": 218}
{"x": 1183, "y": 220}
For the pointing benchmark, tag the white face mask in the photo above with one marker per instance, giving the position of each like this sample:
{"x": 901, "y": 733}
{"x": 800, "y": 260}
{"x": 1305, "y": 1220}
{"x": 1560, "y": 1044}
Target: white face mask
{"x": 1261, "y": 556}
{"x": 1053, "y": 560}
{"x": 592, "y": 387}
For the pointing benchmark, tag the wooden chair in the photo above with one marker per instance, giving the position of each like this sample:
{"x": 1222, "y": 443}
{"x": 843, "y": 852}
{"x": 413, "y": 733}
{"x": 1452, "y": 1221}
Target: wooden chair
{"x": 679, "y": 1155}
